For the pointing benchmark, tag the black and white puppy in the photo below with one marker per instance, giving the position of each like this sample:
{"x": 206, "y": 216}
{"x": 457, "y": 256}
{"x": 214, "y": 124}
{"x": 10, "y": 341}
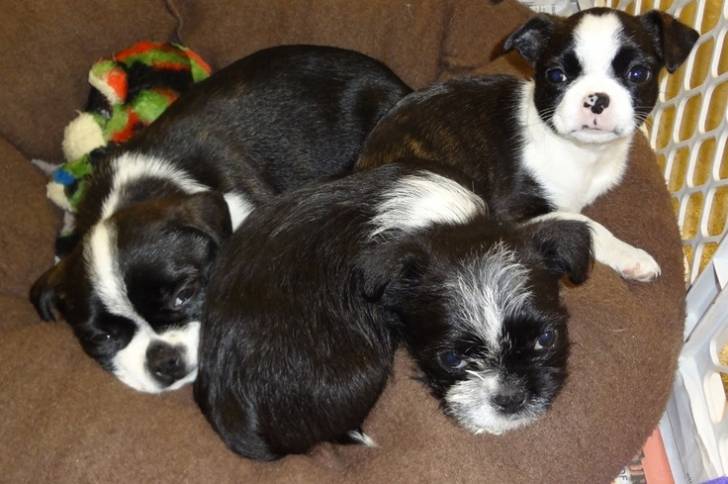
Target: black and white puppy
{"x": 309, "y": 298}
{"x": 547, "y": 147}
{"x": 158, "y": 208}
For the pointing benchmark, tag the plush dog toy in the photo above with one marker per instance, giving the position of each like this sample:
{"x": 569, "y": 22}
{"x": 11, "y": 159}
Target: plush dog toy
{"x": 128, "y": 91}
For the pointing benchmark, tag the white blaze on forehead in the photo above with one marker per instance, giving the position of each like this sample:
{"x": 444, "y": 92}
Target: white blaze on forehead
{"x": 487, "y": 290}
{"x": 424, "y": 199}
{"x": 597, "y": 42}
{"x": 100, "y": 255}
{"x": 130, "y": 167}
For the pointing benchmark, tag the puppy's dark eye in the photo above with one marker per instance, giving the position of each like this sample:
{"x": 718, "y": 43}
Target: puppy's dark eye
{"x": 100, "y": 338}
{"x": 545, "y": 339}
{"x": 638, "y": 74}
{"x": 556, "y": 75}
{"x": 184, "y": 296}
{"x": 451, "y": 360}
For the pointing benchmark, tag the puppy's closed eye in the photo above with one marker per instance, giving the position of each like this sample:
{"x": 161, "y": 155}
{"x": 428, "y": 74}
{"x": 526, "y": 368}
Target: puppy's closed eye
{"x": 184, "y": 295}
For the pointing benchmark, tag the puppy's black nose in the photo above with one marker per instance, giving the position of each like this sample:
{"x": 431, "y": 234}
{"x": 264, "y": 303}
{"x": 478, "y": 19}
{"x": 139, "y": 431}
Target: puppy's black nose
{"x": 510, "y": 400}
{"x": 596, "y": 102}
{"x": 166, "y": 363}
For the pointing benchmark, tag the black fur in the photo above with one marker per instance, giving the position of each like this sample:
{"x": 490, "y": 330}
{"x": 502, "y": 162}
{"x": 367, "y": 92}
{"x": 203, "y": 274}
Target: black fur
{"x": 471, "y": 126}
{"x": 304, "y": 310}
{"x": 270, "y": 122}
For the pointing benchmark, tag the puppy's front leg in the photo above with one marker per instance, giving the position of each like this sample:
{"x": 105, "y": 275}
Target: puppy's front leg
{"x": 631, "y": 262}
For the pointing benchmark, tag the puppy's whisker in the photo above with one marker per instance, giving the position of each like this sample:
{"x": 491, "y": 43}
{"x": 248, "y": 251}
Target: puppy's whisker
{"x": 475, "y": 374}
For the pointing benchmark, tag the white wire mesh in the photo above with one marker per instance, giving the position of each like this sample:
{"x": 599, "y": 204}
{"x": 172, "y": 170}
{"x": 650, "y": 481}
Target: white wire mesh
{"x": 689, "y": 132}
{"x": 689, "y": 127}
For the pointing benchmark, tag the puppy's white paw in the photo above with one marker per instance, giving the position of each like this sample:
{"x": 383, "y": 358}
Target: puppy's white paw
{"x": 635, "y": 264}
{"x": 631, "y": 263}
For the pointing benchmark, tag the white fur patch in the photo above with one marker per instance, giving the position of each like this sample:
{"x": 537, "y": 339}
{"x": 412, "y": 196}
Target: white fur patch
{"x": 81, "y": 136}
{"x": 129, "y": 364}
{"x": 130, "y": 167}
{"x": 238, "y": 207}
{"x": 631, "y": 262}
{"x": 362, "y": 438}
{"x": 573, "y": 174}
{"x": 424, "y": 199}
{"x": 103, "y": 269}
{"x": 596, "y": 43}
{"x": 469, "y": 403}
{"x": 487, "y": 291}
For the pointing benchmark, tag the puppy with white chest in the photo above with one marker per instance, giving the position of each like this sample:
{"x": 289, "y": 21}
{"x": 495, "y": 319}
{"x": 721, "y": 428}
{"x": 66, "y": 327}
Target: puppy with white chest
{"x": 310, "y": 297}
{"x": 158, "y": 208}
{"x": 546, "y": 148}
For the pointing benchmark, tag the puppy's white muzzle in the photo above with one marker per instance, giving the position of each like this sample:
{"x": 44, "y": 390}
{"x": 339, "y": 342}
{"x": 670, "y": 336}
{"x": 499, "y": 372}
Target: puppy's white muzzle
{"x": 131, "y": 363}
{"x": 595, "y": 109}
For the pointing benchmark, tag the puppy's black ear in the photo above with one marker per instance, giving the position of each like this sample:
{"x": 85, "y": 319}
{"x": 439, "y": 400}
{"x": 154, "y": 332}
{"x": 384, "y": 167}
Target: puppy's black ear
{"x": 389, "y": 270}
{"x": 45, "y": 292}
{"x": 673, "y": 40}
{"x": 564, "y": 246}
{"x": 531, "y": 38}
{"x": 206, "y": 212}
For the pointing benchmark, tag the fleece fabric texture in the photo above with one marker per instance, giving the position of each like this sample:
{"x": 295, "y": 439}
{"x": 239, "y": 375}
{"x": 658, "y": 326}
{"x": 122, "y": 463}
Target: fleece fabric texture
{"x": 63, "y": 419}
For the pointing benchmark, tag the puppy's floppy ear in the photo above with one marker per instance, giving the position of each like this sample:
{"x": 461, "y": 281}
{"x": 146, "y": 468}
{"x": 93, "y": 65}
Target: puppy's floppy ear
{"x": 45, "y": 293}
{"x": 206, "y": 212}
{"x": 530, "y": 39}
{"x": 564, "y": 246}
{"x": 390, "y": 269}
{"x": 673, "y": 40}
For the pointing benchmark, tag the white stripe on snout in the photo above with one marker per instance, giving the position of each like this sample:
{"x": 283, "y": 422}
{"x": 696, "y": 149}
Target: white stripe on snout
{"x": 596, "y": 42}
{"x": 421, "y": 200}
{"x": 129, "y": 364}
{"x": 488, "y": 289}
{"x": 130, "y": 167}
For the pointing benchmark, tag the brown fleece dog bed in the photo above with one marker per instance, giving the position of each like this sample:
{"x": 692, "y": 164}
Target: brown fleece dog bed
{"x": 63, "y": 419}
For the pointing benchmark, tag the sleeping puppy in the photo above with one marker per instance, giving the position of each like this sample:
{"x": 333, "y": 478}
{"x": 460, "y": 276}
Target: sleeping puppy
{"x": 547, "y": 148}
{"x": 158, "y": 208}
{"x": 309, "y": 298}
